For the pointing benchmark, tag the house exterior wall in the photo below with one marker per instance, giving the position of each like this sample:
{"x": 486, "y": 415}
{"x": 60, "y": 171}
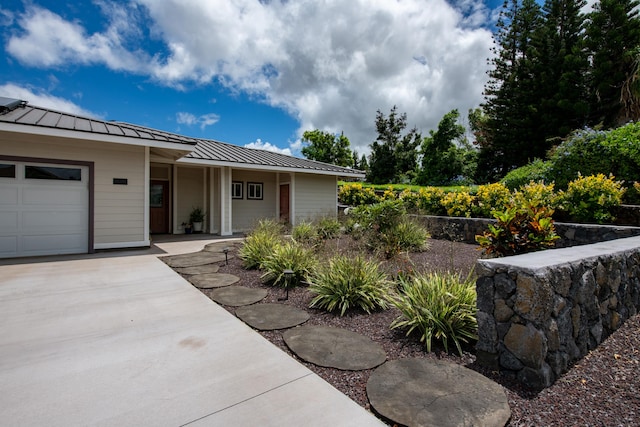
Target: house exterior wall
{"x": 190, "y": 183}
{"x": 314, "y": 196}
{"x": 119, "y": 216}
{"x": 246, "y": 212}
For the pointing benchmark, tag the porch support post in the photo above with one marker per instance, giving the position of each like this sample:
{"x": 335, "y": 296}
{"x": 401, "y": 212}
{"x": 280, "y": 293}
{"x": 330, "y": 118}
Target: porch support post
{"x": 226, "y": 222}
{"x": 147, "y": 189}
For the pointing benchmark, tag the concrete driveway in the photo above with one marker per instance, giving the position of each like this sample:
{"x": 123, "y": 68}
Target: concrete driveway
{"x": 120, "y": 339}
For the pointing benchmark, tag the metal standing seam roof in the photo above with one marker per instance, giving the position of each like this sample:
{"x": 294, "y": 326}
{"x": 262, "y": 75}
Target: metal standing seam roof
{"x": 30, "y": 115}
{"x": 205, "y": 150}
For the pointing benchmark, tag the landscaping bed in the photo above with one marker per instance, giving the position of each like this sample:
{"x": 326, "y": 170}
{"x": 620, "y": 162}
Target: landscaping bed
{"x": 601, "y": 390}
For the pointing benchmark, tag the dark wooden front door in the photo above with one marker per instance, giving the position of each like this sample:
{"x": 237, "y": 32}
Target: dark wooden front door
{"x": 284, "y": 203}
{"x": 159, "y": 207}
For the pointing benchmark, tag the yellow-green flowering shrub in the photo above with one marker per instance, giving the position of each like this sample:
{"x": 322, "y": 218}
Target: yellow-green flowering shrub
{"x": 535, "y": 194}
{"x": 591, "y": 198}
{"x": 491, "y": 197}
{"x": 389, "y": 194}
{"x": 458, "y": 203}
{"x": 355, "y": 194}
{"x": 430, "y": 200}
{"x": 411, "y": 200}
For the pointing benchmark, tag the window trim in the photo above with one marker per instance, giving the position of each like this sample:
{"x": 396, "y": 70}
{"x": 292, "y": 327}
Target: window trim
{"x": 237, "y": 188}
{"x": 257, "y": 187}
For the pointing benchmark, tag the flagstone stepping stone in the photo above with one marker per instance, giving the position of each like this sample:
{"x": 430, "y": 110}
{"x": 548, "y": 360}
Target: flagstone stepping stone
{"x": 199, "y": 269}
{"x": 193, "y": 259}
{"x": 213, "y": 280}
{"x": 334, "y": 348}
{"x": 267, "y": 317}
{"x": 236, "y": 296}
{"x": 423, "y": 392}
{"x": 218, "y": 247}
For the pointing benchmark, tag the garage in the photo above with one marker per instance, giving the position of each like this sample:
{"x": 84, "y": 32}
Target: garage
{"x": 44, "y": 208}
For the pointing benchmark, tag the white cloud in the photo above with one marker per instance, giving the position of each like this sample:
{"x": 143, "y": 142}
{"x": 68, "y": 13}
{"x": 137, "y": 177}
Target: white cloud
{"x": 42, "y": 99}
{"x": 203, "y": 121}
{"x": 330, "y": 63}
{"x": 259, "y": 145}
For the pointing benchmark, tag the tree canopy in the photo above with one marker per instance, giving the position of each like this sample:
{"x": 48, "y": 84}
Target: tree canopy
{"x": 393, "y": 155}
{"x": 327, "y": 147}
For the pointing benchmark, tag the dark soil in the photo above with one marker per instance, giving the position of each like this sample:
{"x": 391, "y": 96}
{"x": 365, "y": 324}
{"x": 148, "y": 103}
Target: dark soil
{"x": 602, "y": 390}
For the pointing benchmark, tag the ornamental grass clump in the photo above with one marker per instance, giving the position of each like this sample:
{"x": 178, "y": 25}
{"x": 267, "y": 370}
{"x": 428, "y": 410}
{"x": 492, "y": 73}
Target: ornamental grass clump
{"x": 345, "y": 283}
{"x": 437, "y": 306}
{"x": 260, "y": 243}
{"x": 305, "y": 232}
{"x": 288, "y": 256}
{"x": 328, "y": 228}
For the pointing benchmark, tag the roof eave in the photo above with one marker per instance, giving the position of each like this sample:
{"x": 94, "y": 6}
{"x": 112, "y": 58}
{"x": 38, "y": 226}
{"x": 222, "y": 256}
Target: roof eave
{"x": 91, "y": 136}
{"x": 249, "y": 166}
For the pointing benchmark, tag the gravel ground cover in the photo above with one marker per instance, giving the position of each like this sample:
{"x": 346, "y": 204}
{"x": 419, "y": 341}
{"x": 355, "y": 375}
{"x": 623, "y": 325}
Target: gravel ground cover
{"x": 602, "y": 390}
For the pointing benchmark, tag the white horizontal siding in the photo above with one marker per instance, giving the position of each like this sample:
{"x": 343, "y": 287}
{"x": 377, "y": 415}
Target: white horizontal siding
{"x": 246, "y": 212}
{"x": 118, "y": 209}
{"x": 315, "y": 196}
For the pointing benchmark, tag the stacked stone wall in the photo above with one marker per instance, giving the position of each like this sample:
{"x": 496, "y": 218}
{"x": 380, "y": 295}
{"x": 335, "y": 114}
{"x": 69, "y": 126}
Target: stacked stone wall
{"x": 540, "y": 313}
{"x": 466, "y": 229}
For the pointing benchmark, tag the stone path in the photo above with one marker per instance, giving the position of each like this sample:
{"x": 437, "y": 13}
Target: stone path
{"x": 236, "y": 296}
{"x": 193, "y": 259}
{"x": 268, "y": 317}
{"x": 422, "y": 392}
{"x": 213, "y": 280}
{"x": 334, "y": 348}
{"x": 198, "y": 269}
{"x": 416, "y": 392}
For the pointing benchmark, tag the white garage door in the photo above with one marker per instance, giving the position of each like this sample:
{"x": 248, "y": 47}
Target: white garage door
{"x": 44, "y": 209}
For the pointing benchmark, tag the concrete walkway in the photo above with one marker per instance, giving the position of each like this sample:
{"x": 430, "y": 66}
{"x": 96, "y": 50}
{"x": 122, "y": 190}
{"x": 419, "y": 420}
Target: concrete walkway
{"x": 119, "y": 339}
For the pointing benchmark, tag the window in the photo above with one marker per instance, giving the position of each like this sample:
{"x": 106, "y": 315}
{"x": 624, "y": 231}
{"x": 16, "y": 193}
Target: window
{"x": 55, "y": 173}
{"x": 7, "y": 171}
{"x": 254, "y": 190}
{"x": 236, "y": 190}
{"x": 156, "y": 196}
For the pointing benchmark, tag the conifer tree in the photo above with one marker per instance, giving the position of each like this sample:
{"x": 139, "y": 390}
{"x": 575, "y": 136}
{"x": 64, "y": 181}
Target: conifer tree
{"x": 613, "y": 34}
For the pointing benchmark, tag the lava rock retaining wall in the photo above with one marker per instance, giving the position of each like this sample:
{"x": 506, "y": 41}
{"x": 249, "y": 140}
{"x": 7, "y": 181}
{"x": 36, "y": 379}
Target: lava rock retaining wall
{"x": 539, "y": 313}
{"x": 466, "y": 229}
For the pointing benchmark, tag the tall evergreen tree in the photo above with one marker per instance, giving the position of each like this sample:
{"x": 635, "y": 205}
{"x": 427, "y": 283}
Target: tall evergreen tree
{"x": 613, "y": 33}
{"x": 511, "y": 97}
{"x": 393, "y": 155}
{"x": 562, "y": 63}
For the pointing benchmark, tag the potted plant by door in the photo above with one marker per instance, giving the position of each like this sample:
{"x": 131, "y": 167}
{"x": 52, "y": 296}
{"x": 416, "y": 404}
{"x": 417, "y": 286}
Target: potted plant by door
{"x": 187, "y": 228}
{"x": 195, "y": 218}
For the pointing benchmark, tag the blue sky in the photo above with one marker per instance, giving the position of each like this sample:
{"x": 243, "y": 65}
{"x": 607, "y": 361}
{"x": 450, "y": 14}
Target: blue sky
{"x": 249, "y": 71}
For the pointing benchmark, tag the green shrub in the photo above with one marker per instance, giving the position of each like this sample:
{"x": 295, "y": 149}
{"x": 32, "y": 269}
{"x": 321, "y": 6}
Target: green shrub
{"x": 304, "y": 232}
{"x": 437, "y": 306}
{"x": 491, "y": 197}
{"x": 347, "y": 282}
{"x": 354, "y": 194}
{"x": 380, "y": 217}
{"x": 592, "y": 198}
{"x": 591, "y": 152}
{"x": 386, "y": 228}
{"x": 521, "y": 229}
{"x": 458, "y": 203}
{"x": 288, "y": 256}
{"x": 535, "y": 171}
{"x": 328, "y": 227}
